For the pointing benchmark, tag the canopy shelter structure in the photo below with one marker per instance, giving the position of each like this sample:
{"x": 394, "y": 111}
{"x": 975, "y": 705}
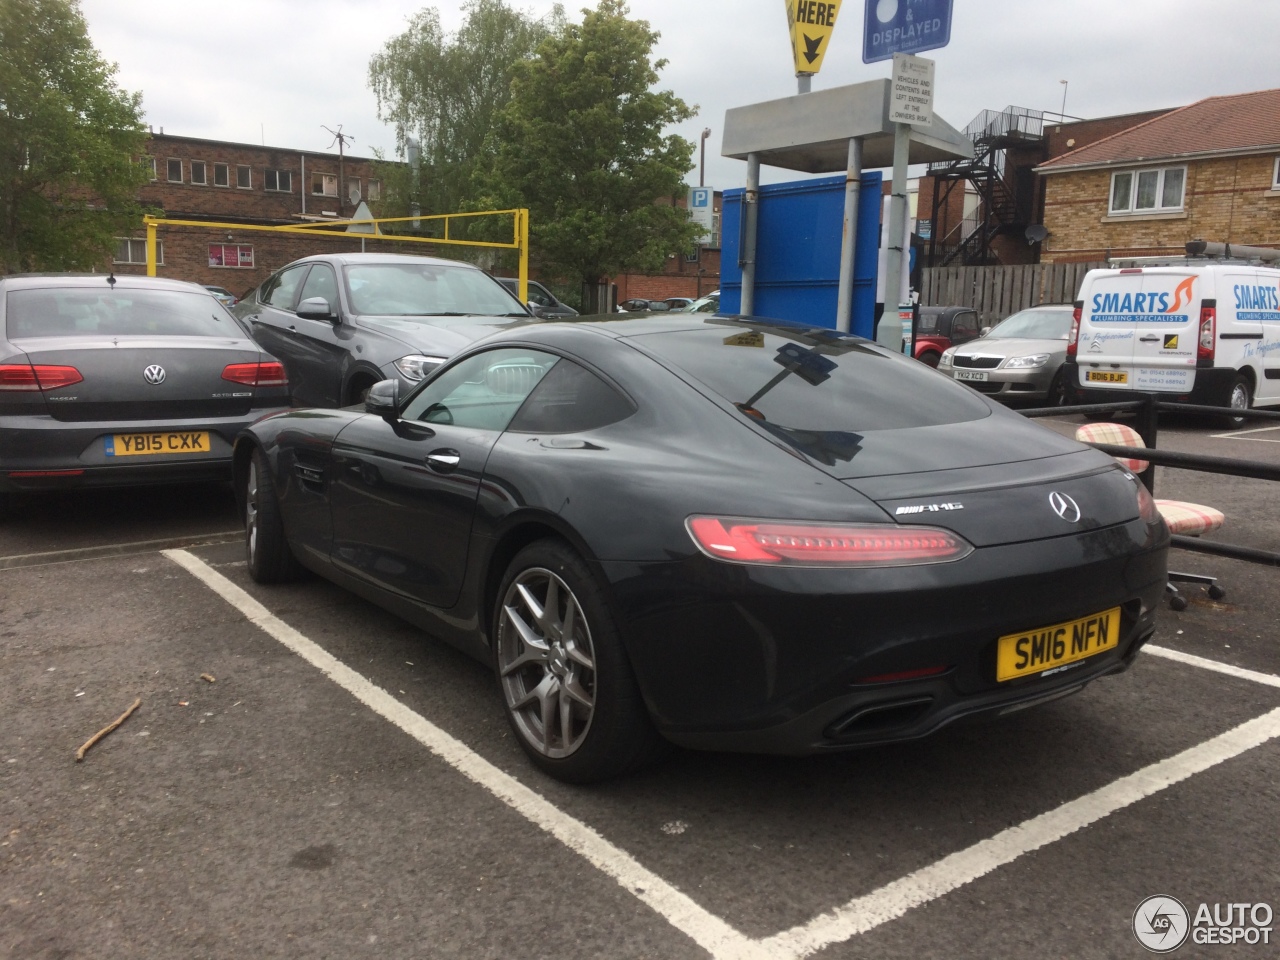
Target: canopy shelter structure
{"x": 845, "y": 128}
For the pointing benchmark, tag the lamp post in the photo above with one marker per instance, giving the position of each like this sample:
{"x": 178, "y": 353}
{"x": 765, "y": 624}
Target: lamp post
{"x": 1063, "y": 112}
{"x": 702, "y": 160}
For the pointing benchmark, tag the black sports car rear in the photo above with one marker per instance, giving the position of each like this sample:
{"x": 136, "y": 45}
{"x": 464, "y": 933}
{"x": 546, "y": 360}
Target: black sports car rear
{"x": 735, "y": 533}
{"x": 123, "y": 380}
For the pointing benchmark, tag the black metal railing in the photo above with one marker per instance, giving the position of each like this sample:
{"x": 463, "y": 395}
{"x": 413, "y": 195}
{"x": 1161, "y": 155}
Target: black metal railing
{"x": 1147, "y": 412}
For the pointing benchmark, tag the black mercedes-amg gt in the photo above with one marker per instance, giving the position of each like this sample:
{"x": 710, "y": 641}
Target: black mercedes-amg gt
{"x": 729, "y": 533}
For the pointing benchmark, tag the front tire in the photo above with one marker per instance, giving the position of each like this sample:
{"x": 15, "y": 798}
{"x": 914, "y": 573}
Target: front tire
{"x": 930, "y": 359}
{"x": 266, "y": 549}
{"x": 566, "y": 683}
{"x": 1059, "y": 391}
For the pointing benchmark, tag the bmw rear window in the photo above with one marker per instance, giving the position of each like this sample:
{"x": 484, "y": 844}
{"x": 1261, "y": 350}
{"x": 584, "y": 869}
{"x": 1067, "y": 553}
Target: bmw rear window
{"x": 801, "y": 381}
{"x": 120, "y": 312}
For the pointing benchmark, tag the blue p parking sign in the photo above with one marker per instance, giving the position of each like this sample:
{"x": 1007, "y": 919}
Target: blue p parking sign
{"x": 904, "y": 26}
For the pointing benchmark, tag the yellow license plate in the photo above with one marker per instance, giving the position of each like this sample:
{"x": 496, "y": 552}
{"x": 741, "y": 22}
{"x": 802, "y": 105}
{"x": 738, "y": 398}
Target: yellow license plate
{"x": 143, "y": 444}
{"x": 1106, "y": 376}
{"x": 1034, "y": 651}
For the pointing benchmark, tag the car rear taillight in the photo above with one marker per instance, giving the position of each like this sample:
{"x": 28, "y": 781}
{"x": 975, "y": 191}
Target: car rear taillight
{"x": 1208, "y": 329}
{"x": 269, "y": 374}
{"x": 1073, "y": 338}
{"x": 38, "y": 376}
{"x": 1147, "y": 508}
{"x": 824, "y": 544}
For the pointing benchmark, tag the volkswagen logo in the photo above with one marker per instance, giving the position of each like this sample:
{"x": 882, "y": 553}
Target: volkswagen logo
{"x": 1064, "y": 507}
{"x": 154, "y": 374}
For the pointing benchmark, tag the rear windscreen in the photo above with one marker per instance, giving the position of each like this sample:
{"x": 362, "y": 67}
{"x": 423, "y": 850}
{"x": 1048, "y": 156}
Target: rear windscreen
{"x": 815, "y": 387}
{"x": 122, "y": 312}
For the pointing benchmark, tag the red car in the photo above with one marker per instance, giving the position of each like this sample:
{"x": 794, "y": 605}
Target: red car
{"x": 941, "y": 327}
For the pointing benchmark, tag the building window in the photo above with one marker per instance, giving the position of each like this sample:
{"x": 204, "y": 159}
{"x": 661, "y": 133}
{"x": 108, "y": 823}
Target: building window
{"x": 230, "y": 255}
{"x": 221, "y": 175}
{"x": 148, "y": 164}
{"x": 375, "y": 190}
{"x": 129, "y": 250}
{"x": 280, "y": 180}
{"x": 1148, "y": 191}
{"x": 353, "y": 190}
{"x": 244, "y": 177}
{"x": 175, "y": 171}
{"x": 199, "y": 172}
{"x": 1275, "y": 175}
{"x": 324, "y": 185}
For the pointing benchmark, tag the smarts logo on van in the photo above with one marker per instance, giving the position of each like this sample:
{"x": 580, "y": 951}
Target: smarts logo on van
{"x": 1254, "y": 302}
{"x": 1161, "y": 306}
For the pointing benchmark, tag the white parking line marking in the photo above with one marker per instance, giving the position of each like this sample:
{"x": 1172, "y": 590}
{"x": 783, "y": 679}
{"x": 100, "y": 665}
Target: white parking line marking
{"x": 1270, "y": 679}
{"x": 1241, "y": 435}
{"x": 116, "y": 549}
{"x": 713, "y": 934}
{"x": 708, "y": 931}
{"x": 895, "y": 899}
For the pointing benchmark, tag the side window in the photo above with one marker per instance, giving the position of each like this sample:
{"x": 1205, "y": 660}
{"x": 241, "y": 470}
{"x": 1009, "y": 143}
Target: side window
{"x": 964, "y": 327}
{"x": 569, "y": 399}
{"x": 279, "y": 290}
{"x": 539, "y": 296}
{"x": 321, "y": 282}
{"x": 482, "y": 392}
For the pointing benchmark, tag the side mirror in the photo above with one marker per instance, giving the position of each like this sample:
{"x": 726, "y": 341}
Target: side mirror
{"x": 315, "y": 308}
{"x": 537, "y": 310}
{"x": 384, "y": 399}
{"x": 985, "y": 331}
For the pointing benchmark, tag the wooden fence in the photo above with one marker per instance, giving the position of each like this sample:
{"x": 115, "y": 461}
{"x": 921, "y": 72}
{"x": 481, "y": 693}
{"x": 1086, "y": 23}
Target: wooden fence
{"x": 996, "y": 292}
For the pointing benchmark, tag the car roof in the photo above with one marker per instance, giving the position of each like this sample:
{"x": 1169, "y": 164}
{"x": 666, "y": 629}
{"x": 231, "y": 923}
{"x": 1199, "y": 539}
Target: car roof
{"x": 358, "y": 258}
{"x": 128, "y": 281}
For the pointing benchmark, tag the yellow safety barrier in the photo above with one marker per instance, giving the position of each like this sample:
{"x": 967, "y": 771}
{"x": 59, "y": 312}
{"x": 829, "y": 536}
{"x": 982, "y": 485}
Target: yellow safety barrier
{"x": 324, "y": 228}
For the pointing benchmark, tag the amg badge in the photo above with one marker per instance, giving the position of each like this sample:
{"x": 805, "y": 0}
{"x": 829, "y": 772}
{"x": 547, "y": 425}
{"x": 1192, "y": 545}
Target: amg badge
{"x": 927, "y": 508}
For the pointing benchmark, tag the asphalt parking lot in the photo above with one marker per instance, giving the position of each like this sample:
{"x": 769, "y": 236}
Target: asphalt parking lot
{"x": 307, "y": 776}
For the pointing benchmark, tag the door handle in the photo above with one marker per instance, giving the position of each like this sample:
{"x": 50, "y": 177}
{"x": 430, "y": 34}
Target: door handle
{"x": 1149, "y": 338}
{"x": 443, "y": 460}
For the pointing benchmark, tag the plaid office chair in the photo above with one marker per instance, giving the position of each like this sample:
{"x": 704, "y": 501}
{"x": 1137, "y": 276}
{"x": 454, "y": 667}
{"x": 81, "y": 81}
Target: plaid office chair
{"x": 1180, "y": 516}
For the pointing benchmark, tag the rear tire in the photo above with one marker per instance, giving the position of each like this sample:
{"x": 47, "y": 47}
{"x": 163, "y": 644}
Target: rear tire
{"x": 1059, "y": 392}
{"x": 566, "y": 683}
{"x": 1239, "y": 397}
{"x": 930, "y": 359}
{"x": 266, "y": 549}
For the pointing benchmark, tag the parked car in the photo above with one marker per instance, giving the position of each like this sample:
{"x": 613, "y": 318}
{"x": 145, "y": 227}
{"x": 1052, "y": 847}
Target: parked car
{"x": 341, "y": 322}
{"x": 708, "y": 304}
{"x": 938, "y": 328}
{"x": 640, "y": 305}
{"x": 1020, "y": 358}
{"x": 678, "y": 303}
{"x": 651, "y": 532}
{"x": 116, "y": 381}
{"x": 542, "y": 302}
{"x": 225, "y": 296}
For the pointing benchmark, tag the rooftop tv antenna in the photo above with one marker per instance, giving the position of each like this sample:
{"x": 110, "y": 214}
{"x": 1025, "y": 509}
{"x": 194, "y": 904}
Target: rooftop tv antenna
{"x": 341, "y": 139}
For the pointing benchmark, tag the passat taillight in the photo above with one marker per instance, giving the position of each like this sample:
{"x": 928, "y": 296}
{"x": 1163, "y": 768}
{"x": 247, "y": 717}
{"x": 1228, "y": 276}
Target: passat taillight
{"x": 1208, "y": 329}
{"x": 824, "y": 544}
{"x": 37, "y": 376}
{"x": 269, "y": 374}
{"x": 1073, "y": 338}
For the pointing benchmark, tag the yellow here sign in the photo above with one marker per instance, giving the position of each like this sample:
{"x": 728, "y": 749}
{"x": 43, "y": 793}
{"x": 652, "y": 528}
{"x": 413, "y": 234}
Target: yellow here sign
{"x": 811, "y": 23}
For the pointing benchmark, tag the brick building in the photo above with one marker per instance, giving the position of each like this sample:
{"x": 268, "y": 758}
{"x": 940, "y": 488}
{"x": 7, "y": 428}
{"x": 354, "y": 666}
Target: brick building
{"x": 216, "y": 181}
{"x": 1207, "y": 171}
{"x": 693, "y": 274}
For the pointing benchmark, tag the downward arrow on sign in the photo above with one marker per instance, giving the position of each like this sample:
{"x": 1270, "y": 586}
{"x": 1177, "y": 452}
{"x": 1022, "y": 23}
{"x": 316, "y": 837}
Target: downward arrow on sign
{"x": 811, "y": 48}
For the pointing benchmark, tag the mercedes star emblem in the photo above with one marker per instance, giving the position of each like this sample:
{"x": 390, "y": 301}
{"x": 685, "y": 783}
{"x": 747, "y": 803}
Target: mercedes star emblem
{"x": 1064, "y": 507}
{"x": 154, "y": 374}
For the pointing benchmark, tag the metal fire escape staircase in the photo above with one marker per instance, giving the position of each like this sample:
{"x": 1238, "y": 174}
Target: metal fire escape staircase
{"x": 1005, "y": 193}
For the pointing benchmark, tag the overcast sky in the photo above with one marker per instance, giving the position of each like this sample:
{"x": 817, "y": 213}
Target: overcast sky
{"x": 278, "y": 70}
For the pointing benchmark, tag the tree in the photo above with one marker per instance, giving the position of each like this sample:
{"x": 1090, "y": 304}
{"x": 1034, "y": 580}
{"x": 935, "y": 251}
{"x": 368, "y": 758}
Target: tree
{"x": 444, "y": 92}
{"x": 582, "y": 145}
{"x": 69, "y": 138}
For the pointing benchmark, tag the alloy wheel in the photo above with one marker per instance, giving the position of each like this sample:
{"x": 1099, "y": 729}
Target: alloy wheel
{"x": 546, "y": 663}
{"x": 251, "y": 510}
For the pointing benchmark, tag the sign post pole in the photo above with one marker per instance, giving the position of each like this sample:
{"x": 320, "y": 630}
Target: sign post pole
{"x": 849, "y": 238}
{"x": 895, "y": 292}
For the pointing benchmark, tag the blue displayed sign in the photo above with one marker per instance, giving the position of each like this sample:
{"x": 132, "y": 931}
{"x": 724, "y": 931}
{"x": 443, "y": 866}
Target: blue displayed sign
{"x": 904, "y": 26}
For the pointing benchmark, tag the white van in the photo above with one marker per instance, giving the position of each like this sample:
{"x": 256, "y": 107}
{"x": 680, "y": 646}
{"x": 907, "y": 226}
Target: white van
{"x": 1205, "y": 332}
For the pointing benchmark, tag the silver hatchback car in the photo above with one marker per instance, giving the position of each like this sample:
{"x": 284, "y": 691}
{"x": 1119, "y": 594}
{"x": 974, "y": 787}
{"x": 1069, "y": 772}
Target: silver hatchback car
{"x": 1020, "y": 358}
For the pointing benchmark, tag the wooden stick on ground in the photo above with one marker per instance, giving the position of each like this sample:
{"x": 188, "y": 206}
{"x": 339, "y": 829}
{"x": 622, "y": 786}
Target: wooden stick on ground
{"x": 106, "y": 730}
